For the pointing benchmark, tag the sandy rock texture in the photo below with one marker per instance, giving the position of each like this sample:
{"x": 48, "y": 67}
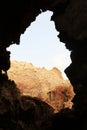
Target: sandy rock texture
{"x": 48, "y": 85}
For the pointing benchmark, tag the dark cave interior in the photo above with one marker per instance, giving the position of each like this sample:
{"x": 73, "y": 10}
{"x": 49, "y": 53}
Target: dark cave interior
{"x": 70, "y": 19}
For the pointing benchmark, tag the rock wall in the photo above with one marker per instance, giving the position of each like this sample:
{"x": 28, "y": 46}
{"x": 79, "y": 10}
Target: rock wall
{"x": 70, "y": 19}
{"x": 48, "y": 85}
{"x": 18, "y": 112}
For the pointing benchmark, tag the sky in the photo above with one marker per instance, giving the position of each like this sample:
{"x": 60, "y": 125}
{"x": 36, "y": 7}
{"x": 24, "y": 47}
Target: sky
{"x": 40, "y": 45}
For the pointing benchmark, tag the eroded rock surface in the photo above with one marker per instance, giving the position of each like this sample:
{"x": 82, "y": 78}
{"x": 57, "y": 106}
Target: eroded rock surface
{"x": 48, "y": 85}
{"x": 19, "y": 112}
{"x": 70, "y": 17}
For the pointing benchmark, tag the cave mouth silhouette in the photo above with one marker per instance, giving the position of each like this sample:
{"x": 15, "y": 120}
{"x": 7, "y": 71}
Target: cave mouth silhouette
{"x": 40, "y": 45}
{"x": 70, "y": 20}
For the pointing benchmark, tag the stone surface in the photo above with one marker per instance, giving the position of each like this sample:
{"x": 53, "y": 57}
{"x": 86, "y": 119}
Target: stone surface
{"x": 70, "y": 17}
{"x": 19, "y": 112}
{"x": 48, "y": 85}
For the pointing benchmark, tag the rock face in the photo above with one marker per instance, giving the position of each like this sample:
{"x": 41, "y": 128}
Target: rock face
{"x": 23, "y": 112}
{"x": 70, "y": 17}
{"x": 19, "y": 112}
{"x": 48, "y": 85}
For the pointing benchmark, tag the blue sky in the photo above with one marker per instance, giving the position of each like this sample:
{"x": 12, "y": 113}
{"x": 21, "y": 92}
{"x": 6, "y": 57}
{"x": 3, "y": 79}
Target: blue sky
{"x": 40, "y": 45}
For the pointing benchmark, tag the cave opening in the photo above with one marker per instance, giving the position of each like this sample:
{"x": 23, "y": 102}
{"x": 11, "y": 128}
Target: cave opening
{"x": 40, "y": 45}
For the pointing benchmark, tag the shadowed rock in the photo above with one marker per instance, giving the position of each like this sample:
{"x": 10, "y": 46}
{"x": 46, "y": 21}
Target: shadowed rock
{"x": 70, "y": 17}
{"x": 4, "y": 60}
{"x": 19, "y": 112}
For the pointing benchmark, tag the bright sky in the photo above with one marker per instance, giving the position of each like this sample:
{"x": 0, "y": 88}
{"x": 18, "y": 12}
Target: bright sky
{"x": 40, "y": 45}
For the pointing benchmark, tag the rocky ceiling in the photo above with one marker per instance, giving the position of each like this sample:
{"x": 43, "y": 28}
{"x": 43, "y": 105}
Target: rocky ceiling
{"x": 70, "y": 17}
